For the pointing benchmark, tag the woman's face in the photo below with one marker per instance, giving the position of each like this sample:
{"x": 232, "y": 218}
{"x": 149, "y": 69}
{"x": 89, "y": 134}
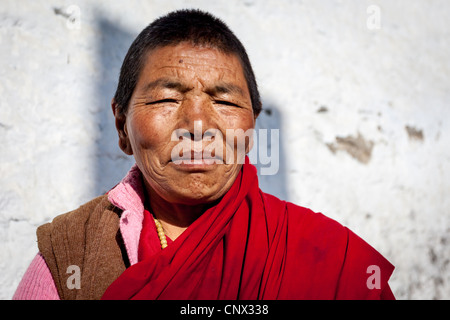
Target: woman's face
{"x": 176, "y": 125}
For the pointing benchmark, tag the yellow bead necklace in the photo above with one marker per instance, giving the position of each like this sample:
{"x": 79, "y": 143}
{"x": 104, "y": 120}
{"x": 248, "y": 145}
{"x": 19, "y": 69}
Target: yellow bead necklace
{"x": 161, "y": 234}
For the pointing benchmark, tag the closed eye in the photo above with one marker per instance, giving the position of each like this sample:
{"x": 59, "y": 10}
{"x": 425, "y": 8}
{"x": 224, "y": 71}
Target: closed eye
{"x": 161, "y": 101}
{"x": 227, "y": 103}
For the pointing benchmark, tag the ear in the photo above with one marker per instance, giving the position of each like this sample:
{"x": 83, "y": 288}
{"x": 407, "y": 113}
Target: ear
{"x": 251, "y": 140}
{"x": 121, "y": 126}
{"x": 249, "y": 145}
{"x": 255, "y": 115}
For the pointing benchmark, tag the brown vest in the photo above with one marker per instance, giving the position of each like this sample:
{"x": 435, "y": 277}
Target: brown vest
{"x": 87, "y": 238}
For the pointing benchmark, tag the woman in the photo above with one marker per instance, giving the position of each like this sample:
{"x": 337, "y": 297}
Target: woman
{"x": 189, "y": 220}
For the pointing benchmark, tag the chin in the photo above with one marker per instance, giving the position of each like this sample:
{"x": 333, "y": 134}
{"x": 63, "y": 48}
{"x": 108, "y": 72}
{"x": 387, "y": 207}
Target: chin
{"x": 192, "y": 201}
{"x": 194, "y": 194}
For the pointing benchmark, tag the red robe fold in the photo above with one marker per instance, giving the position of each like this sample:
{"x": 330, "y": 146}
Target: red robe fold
{"x": 251, "y": 246}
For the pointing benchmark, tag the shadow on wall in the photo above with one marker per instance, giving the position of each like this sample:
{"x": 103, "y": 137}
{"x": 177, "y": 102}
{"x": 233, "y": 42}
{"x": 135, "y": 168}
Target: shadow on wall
{"x": 112, "y": 164}
{"x": 268, "y": 154}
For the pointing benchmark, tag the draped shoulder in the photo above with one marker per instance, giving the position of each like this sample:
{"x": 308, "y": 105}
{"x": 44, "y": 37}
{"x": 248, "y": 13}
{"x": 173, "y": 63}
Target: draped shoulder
{"x": 329, "y": 261}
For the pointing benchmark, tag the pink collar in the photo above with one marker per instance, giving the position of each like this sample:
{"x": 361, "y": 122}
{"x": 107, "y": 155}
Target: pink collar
{"x": 129, "y": 196}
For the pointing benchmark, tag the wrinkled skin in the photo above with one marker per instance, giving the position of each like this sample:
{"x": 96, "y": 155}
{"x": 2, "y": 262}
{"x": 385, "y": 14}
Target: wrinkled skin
{"x": 194, "y": 90}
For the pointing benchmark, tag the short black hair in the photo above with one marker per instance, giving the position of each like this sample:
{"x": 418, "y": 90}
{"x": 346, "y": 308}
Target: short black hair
{"x": 187, "y": 25}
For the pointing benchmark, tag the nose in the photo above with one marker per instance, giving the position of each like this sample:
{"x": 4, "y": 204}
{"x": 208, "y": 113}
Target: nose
{"x": 197, "y": 115}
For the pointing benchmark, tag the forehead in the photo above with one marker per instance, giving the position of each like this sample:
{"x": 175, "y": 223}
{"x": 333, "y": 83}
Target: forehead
{"x": 186, "y": 60}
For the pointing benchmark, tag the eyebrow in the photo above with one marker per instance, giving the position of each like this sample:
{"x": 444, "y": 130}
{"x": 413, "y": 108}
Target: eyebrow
{"x": 221, "y": 88}
{"x": 225, "y": 87}
{"x": 167, "y": 84}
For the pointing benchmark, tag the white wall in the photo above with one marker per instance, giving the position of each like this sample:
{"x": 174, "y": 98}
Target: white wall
{"x": 363, "y": 114}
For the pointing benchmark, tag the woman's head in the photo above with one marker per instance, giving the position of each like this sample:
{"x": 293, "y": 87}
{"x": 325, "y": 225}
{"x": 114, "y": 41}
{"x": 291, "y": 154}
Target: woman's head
{"x": 187, "y": 110}
{"x": 194, "y": 26}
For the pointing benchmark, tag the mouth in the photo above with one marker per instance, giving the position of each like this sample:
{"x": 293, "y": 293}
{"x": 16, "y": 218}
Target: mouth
{"x": 196, "y": 161}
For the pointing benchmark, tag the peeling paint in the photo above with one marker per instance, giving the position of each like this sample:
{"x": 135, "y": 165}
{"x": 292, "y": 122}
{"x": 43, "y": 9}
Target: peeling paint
{"x": 414, "y": 133}
{"x": 322, "y": 109}
{"x": 359, "y": 148}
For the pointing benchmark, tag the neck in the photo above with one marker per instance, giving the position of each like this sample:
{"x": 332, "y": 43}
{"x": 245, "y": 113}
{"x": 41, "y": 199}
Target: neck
{"x": 175, "y": 218}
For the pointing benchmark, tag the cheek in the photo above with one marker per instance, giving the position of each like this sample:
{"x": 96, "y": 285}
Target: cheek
{"x": 239, "y": 139}
{"x": 233, "y": 119}
{"x": 148, "y": 132}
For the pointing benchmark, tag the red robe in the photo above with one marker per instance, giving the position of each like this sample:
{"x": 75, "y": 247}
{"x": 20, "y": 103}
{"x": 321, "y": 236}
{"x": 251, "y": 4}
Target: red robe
{"x": 251, "y": 246}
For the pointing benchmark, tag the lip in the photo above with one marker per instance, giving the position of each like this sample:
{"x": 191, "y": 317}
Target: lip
{"x": 196, "y": 162}
{"x": 196, "y": 165}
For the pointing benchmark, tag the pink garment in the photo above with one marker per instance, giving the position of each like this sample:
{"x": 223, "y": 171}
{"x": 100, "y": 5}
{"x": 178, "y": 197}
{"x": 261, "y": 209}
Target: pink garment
{"x": 38, "y": 284}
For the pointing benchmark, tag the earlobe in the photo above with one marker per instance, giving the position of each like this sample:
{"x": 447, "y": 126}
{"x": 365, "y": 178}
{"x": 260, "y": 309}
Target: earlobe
{"x": 121, "y": 126}
{"x": 249, "y": 146}
{"x": 124, "y": 142}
